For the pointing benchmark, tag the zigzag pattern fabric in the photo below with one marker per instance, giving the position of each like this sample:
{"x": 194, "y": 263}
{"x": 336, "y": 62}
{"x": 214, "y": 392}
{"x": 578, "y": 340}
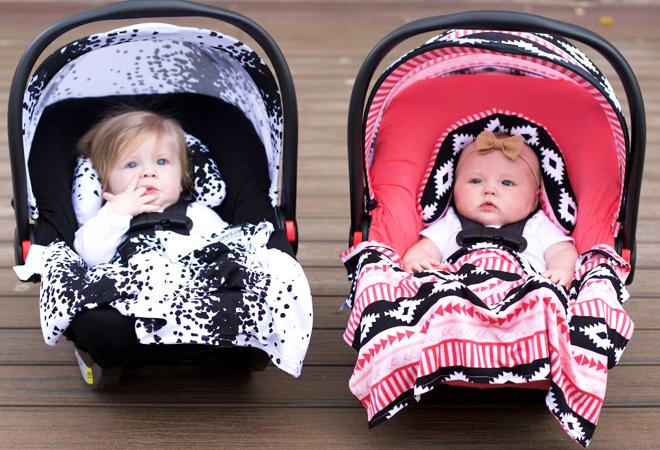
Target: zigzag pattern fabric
{"x": 490, "y": 322}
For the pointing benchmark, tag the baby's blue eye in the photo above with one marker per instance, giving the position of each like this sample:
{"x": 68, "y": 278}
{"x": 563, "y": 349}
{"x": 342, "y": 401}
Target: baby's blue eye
{"x": 161, "y": 162}
{"x": 475, "y": 181}
{"x": 507, "y": 183}
{"x": 132, "y": 165}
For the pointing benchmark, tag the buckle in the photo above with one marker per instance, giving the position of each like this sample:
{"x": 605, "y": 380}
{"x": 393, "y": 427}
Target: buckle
{"x": 499, "y": 236}
{"x": 160, "y": 221}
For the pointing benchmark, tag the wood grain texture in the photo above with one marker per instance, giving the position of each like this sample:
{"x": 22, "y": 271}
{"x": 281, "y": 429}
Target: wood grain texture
{"x": 44, "y": 404}
{"x": 250, "y": 427}
{"x": 318, "y": 386}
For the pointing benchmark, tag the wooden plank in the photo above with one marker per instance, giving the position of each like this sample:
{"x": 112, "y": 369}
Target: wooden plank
{"x": 647, "y": 231}
{"x": 214, "y": 385}
{"x": 26, "y": 347}
{"x": 19, "y": 312}
{"x": 303, "y": 428}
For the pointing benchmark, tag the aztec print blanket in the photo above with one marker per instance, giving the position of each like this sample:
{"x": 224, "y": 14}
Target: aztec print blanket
{"x": 226, "y": 290}
{"x": 489, "y": 321}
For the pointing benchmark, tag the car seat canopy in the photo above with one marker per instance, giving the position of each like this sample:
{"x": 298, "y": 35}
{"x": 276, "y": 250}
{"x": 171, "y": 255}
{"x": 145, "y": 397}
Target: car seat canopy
{"x": 159, "y": 59}
{"x": 462, "y": 76}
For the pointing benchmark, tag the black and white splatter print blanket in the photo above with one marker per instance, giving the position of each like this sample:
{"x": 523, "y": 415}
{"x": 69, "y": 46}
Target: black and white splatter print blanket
{"x": 229, "y": 289}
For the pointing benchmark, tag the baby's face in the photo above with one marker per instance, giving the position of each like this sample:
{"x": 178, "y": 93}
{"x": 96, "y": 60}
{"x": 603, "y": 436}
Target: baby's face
{"x": 491, "y": 189}
{"x": 156, "y": 167}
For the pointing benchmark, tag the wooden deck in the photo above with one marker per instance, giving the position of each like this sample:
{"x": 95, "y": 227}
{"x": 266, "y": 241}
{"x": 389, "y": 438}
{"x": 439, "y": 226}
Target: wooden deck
{"x": 44, "y": 403}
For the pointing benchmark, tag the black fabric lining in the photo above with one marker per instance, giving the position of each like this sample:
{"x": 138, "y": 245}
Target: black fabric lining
{"x": 223, "y": 128}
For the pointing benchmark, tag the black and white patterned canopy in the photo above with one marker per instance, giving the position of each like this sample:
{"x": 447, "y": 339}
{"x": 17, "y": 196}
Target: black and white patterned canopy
{"x": 159, "y": 59}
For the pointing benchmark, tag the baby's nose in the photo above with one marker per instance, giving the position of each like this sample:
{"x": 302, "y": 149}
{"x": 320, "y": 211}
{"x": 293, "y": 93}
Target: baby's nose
{"x": 148, "y": 172}
{"x": 489, "y": 189}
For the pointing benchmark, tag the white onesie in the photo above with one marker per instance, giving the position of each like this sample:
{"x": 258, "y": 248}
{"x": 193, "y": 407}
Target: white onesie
{"x": 539, "y": 232}
{"x": 97, "y": 239}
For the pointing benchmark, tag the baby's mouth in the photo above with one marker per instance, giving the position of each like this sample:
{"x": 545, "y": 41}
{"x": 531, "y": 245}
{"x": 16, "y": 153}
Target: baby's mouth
{"x": 488, "y": 205}
{"x": 150, "y": 190}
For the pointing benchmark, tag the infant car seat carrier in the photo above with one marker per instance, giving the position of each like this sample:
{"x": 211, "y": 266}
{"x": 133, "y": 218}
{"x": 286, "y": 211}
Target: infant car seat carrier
{"x": 175, "y": 71}
{"x": 488, "y": 318}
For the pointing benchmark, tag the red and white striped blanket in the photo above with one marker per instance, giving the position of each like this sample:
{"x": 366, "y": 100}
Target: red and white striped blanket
{"x": 489, "y": 321}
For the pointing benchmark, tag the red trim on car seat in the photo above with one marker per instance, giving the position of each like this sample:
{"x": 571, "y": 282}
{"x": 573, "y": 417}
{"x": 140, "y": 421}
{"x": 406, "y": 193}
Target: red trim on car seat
{"x": 357, "y": 237}
{"x": 25, "y": 245}
{"x": 290, "y": 230}
{"x": 625, "y": 254}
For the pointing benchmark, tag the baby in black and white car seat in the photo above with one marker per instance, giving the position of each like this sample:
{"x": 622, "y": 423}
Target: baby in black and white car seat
{"x": 153, "y": 266}
{"x": 141, "y": 158}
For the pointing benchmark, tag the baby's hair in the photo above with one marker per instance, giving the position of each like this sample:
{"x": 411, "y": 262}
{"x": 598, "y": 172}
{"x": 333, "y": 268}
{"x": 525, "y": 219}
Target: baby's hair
{"x": 108, "y": 138}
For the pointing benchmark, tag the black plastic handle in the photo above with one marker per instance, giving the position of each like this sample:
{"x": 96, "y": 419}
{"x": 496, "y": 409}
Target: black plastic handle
{"x": 140, "y": 10}
{"x": 509, "y": 21}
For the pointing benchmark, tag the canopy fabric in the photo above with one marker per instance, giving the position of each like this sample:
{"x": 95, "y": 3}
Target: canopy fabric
{"x": 519, "y": 54}
{"x": 159, "y": 59}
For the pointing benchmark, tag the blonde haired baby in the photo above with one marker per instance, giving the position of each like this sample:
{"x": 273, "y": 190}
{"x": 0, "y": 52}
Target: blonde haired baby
{"x": 141, "y": 158}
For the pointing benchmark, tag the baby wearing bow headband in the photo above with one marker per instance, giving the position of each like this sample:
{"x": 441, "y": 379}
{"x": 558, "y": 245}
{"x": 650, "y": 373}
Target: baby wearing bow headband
{"x": 497, "y": 182}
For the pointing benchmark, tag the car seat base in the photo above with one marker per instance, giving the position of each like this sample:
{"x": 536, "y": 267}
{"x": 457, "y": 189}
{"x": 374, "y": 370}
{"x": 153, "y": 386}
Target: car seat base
{"x": 94, "y": 375}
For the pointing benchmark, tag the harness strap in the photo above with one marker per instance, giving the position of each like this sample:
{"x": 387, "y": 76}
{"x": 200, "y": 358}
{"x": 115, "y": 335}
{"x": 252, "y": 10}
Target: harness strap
{"x": 510, "y": 235}
{"x": 173, "y": 218}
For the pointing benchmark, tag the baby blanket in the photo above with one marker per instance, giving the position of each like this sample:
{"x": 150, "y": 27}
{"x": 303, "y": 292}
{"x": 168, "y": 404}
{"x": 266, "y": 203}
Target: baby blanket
{"x": 229, "y": 289}
{"x": 488, "y": 322}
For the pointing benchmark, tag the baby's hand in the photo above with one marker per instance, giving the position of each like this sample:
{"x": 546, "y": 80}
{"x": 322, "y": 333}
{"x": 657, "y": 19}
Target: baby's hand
{"x": 132, "y": 201}
{"x": 558, "y": 277}
{"x": 421, "y": 264}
